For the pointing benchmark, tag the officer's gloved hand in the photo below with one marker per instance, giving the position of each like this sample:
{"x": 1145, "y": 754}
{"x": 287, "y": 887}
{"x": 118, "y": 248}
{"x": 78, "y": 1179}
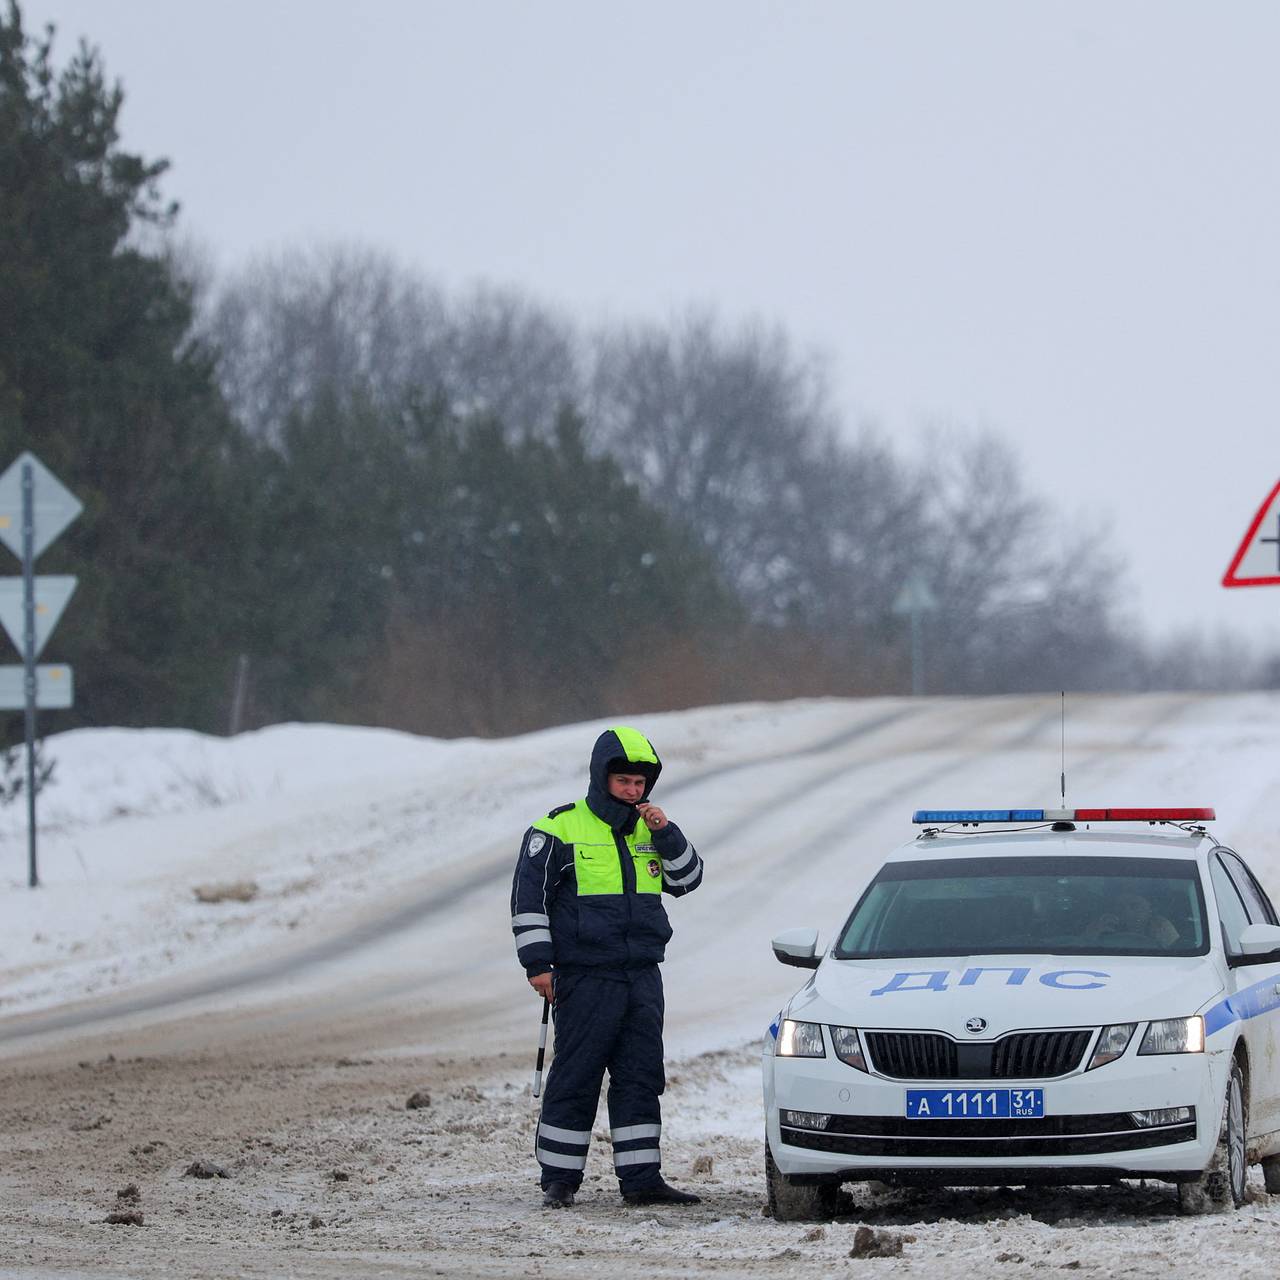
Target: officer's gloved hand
{"x": 653, "y": 817}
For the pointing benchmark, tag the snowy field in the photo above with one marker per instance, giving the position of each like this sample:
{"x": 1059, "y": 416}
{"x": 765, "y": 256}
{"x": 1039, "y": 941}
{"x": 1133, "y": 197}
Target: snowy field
{"x": 251, "y": 952}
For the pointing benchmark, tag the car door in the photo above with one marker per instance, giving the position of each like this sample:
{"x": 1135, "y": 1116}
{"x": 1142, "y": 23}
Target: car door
{"x": 1241, "y": 901}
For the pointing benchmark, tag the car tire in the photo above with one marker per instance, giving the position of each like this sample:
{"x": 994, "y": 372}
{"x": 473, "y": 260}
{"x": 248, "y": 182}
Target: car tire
{"x": 1220, "y": 1188}
{"x": 791, "y": 1203}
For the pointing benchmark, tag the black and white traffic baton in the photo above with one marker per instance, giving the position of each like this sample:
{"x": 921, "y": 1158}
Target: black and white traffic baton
{"x": 542, "y": 1048}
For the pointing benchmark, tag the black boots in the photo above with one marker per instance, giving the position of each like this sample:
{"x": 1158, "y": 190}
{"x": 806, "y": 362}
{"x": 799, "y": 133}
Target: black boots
{"x": 559, "y": 1195}
{"x": 660, "y": 1193}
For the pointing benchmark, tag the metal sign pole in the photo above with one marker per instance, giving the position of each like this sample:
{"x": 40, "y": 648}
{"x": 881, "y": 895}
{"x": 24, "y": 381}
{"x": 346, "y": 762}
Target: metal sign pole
{"x": 915, "y": 599}
{"x": 29, "y": 659}
{"x": 917, "y": 651}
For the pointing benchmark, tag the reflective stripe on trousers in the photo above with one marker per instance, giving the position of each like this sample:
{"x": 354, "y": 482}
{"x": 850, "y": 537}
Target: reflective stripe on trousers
{"x": 563, "y": 1148}
{"x": 636, "y": 1144}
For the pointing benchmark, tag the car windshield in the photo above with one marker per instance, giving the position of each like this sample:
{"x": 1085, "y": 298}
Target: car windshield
{"x": 1003, "y": 906}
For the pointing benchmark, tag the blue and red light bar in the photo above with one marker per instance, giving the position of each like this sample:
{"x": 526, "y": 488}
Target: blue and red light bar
{"x": 974, "y": 816}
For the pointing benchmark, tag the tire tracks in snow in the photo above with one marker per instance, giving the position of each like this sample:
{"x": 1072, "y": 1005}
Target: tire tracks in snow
{"x": 379, "y": 925}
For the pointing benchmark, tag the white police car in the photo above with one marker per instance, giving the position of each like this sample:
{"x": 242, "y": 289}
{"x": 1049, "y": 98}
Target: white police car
{"x": 1034, "y": 996}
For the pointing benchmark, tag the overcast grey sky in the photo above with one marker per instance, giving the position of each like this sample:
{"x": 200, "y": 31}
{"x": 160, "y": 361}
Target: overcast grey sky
{"x": 1056, "y": 220}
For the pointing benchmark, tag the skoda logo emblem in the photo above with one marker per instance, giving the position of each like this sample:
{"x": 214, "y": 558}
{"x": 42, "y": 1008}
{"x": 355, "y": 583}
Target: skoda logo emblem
{"x": 975, "y": 1026}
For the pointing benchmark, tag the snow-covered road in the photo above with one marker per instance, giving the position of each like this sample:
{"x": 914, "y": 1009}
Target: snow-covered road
{"x": 378, "y": 937}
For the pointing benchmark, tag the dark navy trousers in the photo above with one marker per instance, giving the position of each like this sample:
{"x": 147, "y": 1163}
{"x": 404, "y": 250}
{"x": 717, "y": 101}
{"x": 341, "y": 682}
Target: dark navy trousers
{"x": 605, "y": 1020}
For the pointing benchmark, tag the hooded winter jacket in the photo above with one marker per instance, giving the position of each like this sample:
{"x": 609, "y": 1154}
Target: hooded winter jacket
{"x": 588, "y": 886}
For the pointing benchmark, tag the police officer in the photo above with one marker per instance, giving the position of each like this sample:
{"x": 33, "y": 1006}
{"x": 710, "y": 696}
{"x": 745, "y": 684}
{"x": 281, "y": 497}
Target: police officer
{"x": 590, "y": 930}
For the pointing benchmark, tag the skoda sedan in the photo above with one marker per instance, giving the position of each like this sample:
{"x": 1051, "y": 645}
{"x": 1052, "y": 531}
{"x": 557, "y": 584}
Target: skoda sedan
{"x": 1031, "y": 996}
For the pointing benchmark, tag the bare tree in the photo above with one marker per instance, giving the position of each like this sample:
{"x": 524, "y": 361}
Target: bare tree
{"x": 1026, "y": 601}
{"x": 721, "y": 429}
{"x": 509, "y": 358}
{"x": 292, "y": 327}
{"x": 859, "y": 536}
{"x": 342, "y": 321}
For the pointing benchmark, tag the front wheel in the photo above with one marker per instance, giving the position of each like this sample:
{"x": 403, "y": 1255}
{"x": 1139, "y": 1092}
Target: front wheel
{"x": 1220, "y": 1188}
{"x": 791, "y": 1203}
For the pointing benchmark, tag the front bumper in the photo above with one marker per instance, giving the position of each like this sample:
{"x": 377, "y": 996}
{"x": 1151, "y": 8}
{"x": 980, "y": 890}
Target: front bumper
{"x": 1087, "y": 1134}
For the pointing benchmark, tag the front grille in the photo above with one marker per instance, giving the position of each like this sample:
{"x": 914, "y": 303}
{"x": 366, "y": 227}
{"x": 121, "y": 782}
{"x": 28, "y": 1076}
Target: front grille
{"x": 1035, "y": 1055}
{"x": 897, "y": 1137}
{"x": 1024, "y": 1055}
{"x": 913, "y": 1055}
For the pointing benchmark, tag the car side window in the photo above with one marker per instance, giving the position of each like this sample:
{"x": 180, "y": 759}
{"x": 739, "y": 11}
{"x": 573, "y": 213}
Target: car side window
{"x": 1231, "y": 910}
{"x": 1256, "y": 902}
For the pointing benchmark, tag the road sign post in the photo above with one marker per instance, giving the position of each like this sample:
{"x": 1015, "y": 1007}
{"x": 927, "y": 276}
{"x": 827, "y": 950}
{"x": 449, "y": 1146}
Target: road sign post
{"x": 916, "y": 599}
{"x": 36, "y": 501}
{"x": 29, "y": 657}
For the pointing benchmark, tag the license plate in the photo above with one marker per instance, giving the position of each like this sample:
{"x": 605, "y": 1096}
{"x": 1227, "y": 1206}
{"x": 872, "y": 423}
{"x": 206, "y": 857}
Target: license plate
{"x": 975, "y": 1104}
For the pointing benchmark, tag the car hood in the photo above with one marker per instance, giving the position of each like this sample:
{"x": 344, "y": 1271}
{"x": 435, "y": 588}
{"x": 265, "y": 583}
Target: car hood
{"x": 1010, "y": 992}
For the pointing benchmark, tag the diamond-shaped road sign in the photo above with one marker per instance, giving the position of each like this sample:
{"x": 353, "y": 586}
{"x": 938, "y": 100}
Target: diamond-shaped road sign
{"x": 52, "y": 594}
{"x": 53, "y": 688}
{"x": 915, "y": 596}
{"x": 1257, "y": 562}
{"x": 55, "y": 506}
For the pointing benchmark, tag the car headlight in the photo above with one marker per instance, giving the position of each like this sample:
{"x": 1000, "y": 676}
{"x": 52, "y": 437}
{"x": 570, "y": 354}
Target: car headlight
{"x": 1112, "y": 1043}
{"x": 1174, "y": 1035}
{"x": 844, "y": 1040}
{"x": 800, "y": 1040}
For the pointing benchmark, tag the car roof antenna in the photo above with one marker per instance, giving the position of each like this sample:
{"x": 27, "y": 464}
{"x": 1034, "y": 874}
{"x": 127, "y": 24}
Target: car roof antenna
{"x": 1062, "y": 777}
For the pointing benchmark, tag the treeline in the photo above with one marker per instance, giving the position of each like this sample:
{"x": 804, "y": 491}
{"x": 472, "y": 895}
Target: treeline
{"x": 325, "y": 488}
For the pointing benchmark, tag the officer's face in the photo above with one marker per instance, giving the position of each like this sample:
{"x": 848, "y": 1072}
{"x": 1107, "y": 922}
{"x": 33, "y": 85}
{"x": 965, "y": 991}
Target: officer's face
{"x": 627, "y": 787}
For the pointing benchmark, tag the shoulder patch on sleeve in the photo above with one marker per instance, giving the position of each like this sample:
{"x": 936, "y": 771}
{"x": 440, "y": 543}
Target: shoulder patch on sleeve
{"x": 564, "y": 808}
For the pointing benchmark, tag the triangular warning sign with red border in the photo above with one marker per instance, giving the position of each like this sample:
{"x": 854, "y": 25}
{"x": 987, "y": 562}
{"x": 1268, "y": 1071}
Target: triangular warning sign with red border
{"x": 1257, "y": 563}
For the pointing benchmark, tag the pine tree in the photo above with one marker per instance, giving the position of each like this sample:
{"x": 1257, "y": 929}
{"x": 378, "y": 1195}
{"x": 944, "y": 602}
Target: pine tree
{"x": 100, "y": 378}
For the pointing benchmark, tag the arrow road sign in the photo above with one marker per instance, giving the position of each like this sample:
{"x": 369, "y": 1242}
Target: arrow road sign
{"x": 1257, "y": 563}
{"x": 55, "y": 506}
{"x": 53, "y": 688}
{"x": 52, "y": 594}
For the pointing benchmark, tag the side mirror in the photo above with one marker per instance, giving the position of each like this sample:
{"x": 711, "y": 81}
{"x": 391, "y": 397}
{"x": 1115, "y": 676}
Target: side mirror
{"x": 799, "y": 947}
{"x": 1259, "y": 939}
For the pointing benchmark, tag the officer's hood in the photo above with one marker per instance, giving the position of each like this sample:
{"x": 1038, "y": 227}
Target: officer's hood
{"x": 631, "y": 746}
